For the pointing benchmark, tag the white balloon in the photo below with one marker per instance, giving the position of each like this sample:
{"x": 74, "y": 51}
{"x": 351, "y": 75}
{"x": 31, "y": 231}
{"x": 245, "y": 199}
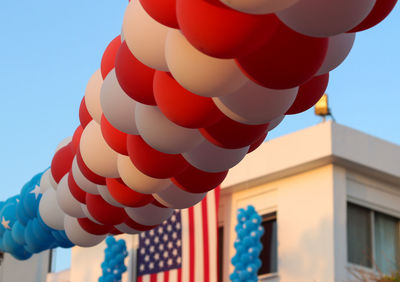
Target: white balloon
{"x": 123, "y": 227}
{"x": 138, "y": 181}
{"x": 259, "y": 6}
{"x": 176, "y": 198}
{"x": 275, "y": 122}
{"x": 45, "y": 181}
{"x": 162, "y": 134}
{"x": 83, "y": 183}
{"x": 323, "y": 18}
{"x": 201, "y": 74}
{"x": 118, "y": 107}
{"x": 50, "y": 211}
{"x": 88, "y": 215}
{"x": 105, "y": 194}
{"x": 92, "y": 96}
{"x": 254, "y": 104}
{"x": 211, "y": 158}
{"x": 338, "y": 48}
{"x": 96, "y": 153}
{"x": 68, "y": 204}
{"x": 80, "y": 237}
{"x": 145, "y": 36}
{"x": 52, "y": 181}
{"x": 149, "y": 215}
{"x": 64, "y": 143}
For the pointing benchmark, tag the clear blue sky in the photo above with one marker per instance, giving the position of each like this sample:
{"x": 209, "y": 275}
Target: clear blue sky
{"x": 49, "y": 50}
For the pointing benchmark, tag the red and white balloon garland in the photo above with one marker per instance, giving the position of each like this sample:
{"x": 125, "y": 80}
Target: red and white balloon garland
{"x": 188, "y": 89}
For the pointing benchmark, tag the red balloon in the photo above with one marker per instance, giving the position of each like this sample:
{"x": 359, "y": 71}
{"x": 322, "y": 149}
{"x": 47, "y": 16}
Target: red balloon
{"x": 62, "y": 162}
{"x": 75, "y": 190}
{"x": 162, "y": 11}
{"x": 115, "y": 231}
{"x": 135, "y": 78}
{"x": 220, "y": 31}
{"x": 115, "y": 139}
{"x": 90, "y": 175}
{"x": 288, "y": 59}
{"x": 84, "y": 116}
{"x": 309, "y": 94}
{"x": 103, "y": 212}
{"x": 152, "y": 162}
{"x": 381, "y": 10}
{"x": 258, "y": 143}
{"x": 108, "y": 59}
{"x": 230, "y": 134}
{"x": 194, "y": 180}
{"x": 94, "y": 228}
{"x": 125, "y": 195}
{"x": 76, "y": 138}
{"x": 137, "y": 226}
{"x": 182, "y": 106}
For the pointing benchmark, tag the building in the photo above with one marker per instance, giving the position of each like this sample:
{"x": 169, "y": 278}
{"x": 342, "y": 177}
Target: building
{"x": 330, "y": 200}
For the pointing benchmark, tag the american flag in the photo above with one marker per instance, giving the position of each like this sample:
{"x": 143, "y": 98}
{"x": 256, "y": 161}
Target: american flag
{"x": 183, "y": 248}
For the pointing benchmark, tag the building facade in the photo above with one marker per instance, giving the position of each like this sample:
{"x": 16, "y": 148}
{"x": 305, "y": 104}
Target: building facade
{"x": 330, "y": 200}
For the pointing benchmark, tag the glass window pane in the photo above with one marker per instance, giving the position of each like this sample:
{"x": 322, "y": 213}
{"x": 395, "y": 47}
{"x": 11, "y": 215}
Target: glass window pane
{"x": 269, "y": 253}
{"x": 359, "y": 235}
{"x": 386, "y": 243}
{"x": 220, "y": 252}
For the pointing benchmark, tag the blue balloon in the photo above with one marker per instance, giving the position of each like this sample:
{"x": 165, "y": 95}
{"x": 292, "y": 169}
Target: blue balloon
{"x": 244, "y": 275}
{"x": 31, "y": 202}
{"x": 245, "y": 259}
{"x": 9, "y": 245}
{"x": 39, "y": 232}
{"x": 18, "y": 233}
{"x": 21, "y": 215}
{"x": 21, "y": 254}
{"x": 31, "y": 242}
{"x": 42, "y": 224}
{"x": 110, "y": 240}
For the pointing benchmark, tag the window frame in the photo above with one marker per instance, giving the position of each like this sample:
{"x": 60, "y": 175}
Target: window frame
{"x": 272, "y": 215}
{"x": 373, "y": 269}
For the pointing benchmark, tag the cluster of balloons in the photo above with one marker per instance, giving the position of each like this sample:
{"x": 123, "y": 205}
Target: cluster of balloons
{"x": 114, "y": 266}
{"x": 182, "y": 95}
{"x": 248, "y": 246}
{"x": 22, "y": 230}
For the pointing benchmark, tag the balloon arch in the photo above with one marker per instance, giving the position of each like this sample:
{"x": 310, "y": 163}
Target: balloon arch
{"x": 187, "y": 90}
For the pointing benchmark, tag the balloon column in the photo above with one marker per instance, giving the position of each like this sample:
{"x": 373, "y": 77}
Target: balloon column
{"x": 113, "y": 266}
{"x": 22, "y": 230}
{"x": 248, "y": 246}
{"x": 182, "y": 95}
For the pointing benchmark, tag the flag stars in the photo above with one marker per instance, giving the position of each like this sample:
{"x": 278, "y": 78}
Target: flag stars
{"x": 175, "y": 252}
{"x": 160, "y": 230}
{"x": 165, "y": 237}
{"x": 5, "y": 223}
{"x": 161, "y": 247}
{"x": 152, "y": 249}
{"x": 151, "y": 265}
{"x": 36, "y": 191}
{"x": 165, "y": 254}
{"x": 147, "y": 241}
{"x": 147, "y": 258}
{"x": 157, "y": 256}
{"x": 142, "y": 251}
{"x": 142, "y": 267}
{"x": 178, "y": 225}
{"x": 174, "y": 235}
{"x": 178, "y": 260}
{"x": 179, "y": 243}
{"x": 161, "y": 263}
{"x": 170, "y": 261}
{"x": 170, "y": 245}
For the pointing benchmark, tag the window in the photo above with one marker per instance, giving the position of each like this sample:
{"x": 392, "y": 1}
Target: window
{"x": 372, "y": 239}
{"x": 220, "y": 252}
{"x": 269, "y": 253}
